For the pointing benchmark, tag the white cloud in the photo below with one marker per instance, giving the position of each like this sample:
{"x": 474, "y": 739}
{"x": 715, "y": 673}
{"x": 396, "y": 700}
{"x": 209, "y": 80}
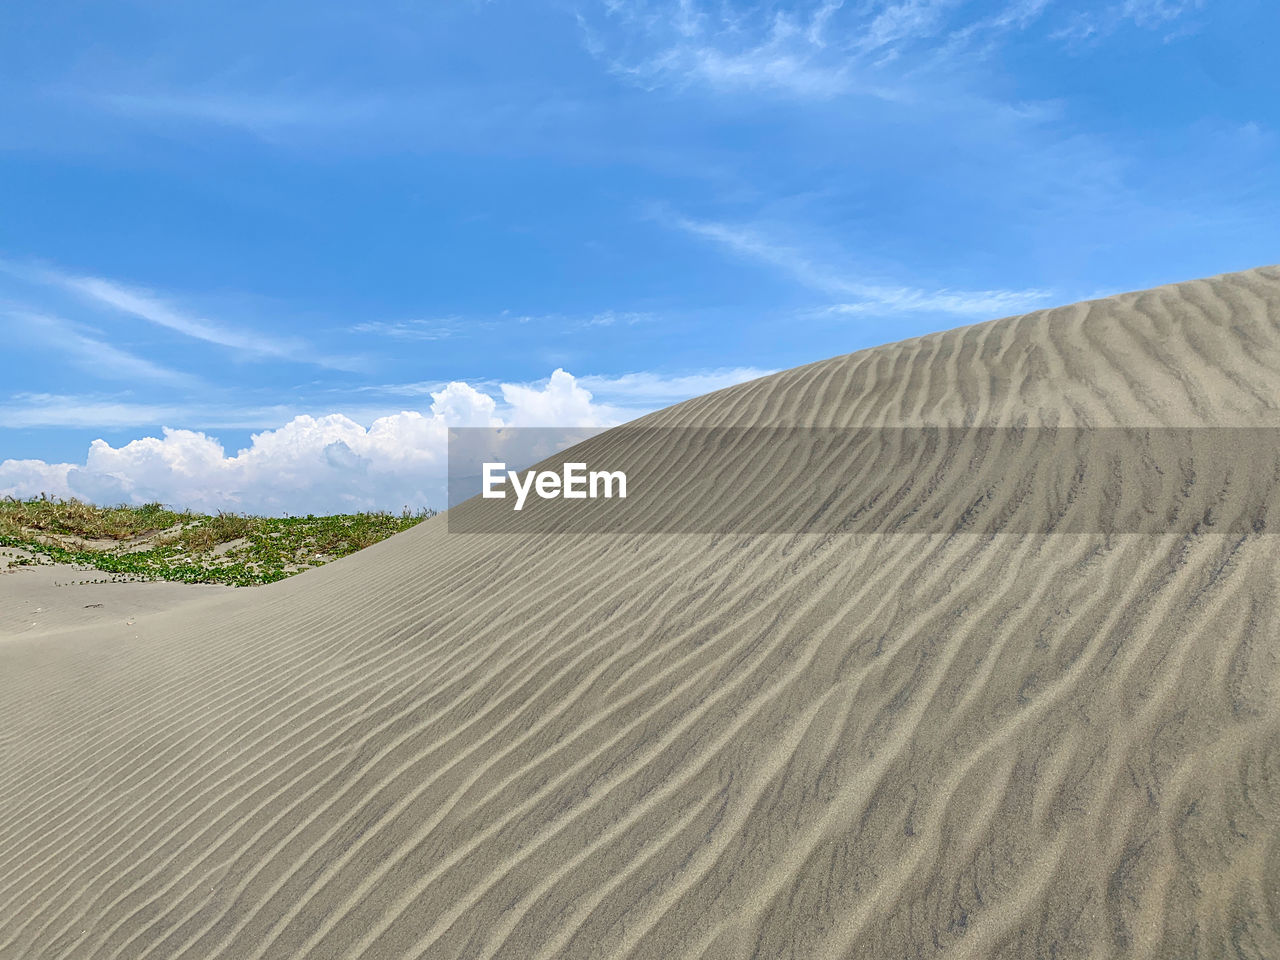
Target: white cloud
{"x": 459, "y": 404}
{"x": 869, "y": 298}
{"x": 320, "y": 464}
{"x": 29, "y": 478}
{"x": 561, "y": 401}
{"x": 324, "y": 464}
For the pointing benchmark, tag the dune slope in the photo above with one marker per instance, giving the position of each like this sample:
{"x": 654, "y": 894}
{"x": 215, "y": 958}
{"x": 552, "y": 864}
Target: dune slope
{"x": 651, "y": 746}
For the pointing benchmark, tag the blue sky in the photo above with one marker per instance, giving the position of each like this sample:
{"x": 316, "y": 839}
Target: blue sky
{"x": 218, "y": 218}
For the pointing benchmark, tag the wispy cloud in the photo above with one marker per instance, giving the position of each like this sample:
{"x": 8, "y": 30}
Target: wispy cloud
{"x": 96, "y": 356}
{"x": 869, "y": 298}
{"x": 907, "y": 21}
{"x": 418, "y": 388}
{"x": 1090, "y": 26}
{"x": 822, "y": 49}
{"x": 983, "y": 35}
{"x": 117, "y": 411}
{"x": 611, "y": 318}
{"x": 146, "y": 305}
{"x": 684, "y": 44}
{"x": 441, "y": 329}
{"x": 261, "y": 114}
{"x": 447, "y": 328}
{"x": 1156, "y": 13}
{"x": 650, "y": 387}
{"x": 978, "y": 304}
{"x": 347, "y": 118}
{"x": 815, "y": 50}
{"x": 100, "y": 413}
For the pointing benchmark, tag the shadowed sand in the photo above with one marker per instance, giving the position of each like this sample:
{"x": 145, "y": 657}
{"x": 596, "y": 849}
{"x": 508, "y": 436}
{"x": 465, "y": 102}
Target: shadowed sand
{"x": 652, "y": 746}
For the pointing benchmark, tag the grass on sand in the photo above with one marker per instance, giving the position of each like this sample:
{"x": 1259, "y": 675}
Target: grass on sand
{"x": 151, "y": 542}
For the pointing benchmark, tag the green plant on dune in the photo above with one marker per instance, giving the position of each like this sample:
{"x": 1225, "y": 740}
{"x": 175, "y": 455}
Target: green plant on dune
{"x": 74, "y": 518}
{"x": 151, "y": 542}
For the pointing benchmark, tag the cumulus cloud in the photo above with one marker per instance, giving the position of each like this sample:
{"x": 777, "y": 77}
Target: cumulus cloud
{"x": 325, "y": 464}
{"x": 29, "y": 478}
{"x": 561, "y": 402}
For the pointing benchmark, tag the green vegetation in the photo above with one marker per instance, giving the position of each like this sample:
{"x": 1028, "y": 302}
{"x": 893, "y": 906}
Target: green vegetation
{"x": 151, "y": 542}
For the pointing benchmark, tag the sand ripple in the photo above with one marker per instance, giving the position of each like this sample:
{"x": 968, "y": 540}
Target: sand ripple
{"x": 651, "y": 746}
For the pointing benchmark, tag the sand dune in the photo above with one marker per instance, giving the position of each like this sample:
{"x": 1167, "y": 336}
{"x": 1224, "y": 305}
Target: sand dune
{"x": 700, "y": 745}
{"x": 47, "y": 598}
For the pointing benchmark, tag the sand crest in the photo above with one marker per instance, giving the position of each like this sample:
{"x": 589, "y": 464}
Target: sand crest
{"x": 824, "y": 745}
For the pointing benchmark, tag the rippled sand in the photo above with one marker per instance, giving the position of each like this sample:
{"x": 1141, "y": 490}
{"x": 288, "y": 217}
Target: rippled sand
{"x": 666, "y": 745}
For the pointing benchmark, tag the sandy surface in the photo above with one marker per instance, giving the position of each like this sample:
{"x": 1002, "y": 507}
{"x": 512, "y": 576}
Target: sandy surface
{"x": 47, "y": 598}
{"x": 846, "y": 746}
